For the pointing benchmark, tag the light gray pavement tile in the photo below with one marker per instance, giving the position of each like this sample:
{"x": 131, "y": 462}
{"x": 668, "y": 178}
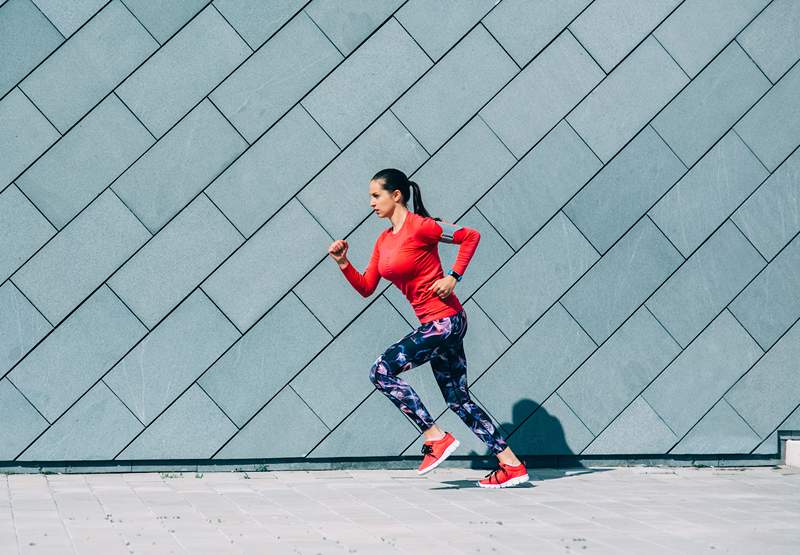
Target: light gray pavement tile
{"x": 183, "y": 71}
{"x": 524, "y": 28}
{"x": 23, "y": 230}
{"x": 343, "y": 105}
{"x": 91, "y": 63}
{"x": 708, "y": 193}
{"x": 83, "y": 163}
{"x": 541, "y": 94}
{"x": 26, "y": 38}
{"x": 455, "y": 88}
{"x": 77, "y": 353}
{"x": 348, "y": 22}
{"x": 255, "y": 20}
{"x": 698, "y": 29}
{"x": 771, "y": 216}
{"x": 24, "y": 133}
{"x": 772, "y": 127}
{"x": 609, "y": 29}
{"x": 277, "y": 75}
{"x": 177, "y": 259}
{"x": 615, "y": 110}
{"x": 82, "y": 255}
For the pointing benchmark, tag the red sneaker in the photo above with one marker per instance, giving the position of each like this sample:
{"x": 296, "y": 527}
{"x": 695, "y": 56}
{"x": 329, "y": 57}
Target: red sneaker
{"x": 505, "y": 476}
{"x": 437, "y": 451}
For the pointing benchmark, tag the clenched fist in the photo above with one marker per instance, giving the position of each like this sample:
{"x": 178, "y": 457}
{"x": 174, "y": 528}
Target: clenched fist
{"x": 338, "y": 250}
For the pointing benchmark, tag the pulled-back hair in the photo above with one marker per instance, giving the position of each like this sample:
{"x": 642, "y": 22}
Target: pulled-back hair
{"x": 394, "y": 180}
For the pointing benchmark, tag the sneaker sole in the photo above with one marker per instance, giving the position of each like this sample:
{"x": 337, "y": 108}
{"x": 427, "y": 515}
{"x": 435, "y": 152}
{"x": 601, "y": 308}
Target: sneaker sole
{"x": 452, "y": 447}
{"x": 512, "y": 482}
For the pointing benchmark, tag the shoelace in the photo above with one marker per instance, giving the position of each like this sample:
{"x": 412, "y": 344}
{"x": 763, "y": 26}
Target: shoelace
{"x": 493, "y": 474}
{"x": 427, "y": 450}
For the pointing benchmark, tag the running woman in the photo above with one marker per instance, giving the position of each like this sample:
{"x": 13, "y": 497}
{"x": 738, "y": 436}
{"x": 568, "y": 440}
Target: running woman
{"x": 407, "y": 254}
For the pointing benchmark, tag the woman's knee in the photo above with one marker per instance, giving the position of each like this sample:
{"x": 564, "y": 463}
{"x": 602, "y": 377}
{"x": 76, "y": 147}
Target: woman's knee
{"x": 378, "y": 372}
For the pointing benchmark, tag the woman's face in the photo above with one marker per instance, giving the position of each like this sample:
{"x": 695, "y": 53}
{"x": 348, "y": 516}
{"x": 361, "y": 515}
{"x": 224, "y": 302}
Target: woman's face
{"x": 381, "y": 201}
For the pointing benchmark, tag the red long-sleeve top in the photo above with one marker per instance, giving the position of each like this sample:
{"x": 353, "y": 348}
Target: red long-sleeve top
{"x": 410, "y": 260}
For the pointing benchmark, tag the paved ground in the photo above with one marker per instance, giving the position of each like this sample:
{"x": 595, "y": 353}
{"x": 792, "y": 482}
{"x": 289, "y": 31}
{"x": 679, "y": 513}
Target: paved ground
{"x": 599, "y": 510}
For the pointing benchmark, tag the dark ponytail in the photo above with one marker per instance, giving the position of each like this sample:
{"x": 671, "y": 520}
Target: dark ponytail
{"x": 394, "y": 180}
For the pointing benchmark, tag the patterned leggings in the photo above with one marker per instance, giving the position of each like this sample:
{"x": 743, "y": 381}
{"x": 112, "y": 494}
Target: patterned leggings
{"x": 440, "y": 342}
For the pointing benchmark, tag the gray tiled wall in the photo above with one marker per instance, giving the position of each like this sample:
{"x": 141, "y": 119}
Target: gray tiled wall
{"x": 172, "y": 173}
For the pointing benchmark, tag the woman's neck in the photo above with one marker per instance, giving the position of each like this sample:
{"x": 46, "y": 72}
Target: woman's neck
{"x": 398, "y": 219}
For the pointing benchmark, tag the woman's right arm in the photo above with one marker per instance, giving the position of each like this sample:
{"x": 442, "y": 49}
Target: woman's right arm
{"x": 367, "y": 282}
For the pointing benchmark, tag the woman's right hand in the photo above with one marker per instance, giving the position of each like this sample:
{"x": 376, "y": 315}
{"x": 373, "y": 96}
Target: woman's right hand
{"x": 338, "y": 250}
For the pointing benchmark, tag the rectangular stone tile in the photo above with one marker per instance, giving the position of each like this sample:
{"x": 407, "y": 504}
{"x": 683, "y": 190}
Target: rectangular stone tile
{"x": 552, "y": 430}
{"x": 720, "y": 431}
{"x": 770, "y": 445}
{"x": 772, "y": 39}
{"x": 77, "y": 354}
{"x": 192, "y": 428}
{"x": 68, "y": 268}
{"x": 271, "y": 435}
{"x": 174, "y": 354}
{"x": 256, "y": 21}
{"x": 94, "y": 428}
{"x": 26, "y": 38}
{"x": 771, "y": 216}
{"x": 77, "y": 168}
{"x": 706, "y": 282}
{"x": 541, "y": 94}
{"x": 24, "y": 133}
{"x": 68, "y": 15}
{"x": 772, "y": 127}
{"x": 160, "y": 183}
{"x": 708, "y": 193}
{"x": 619, "y": 370}
{"x": 468, "y": 176}
{"x": 21, "y": 422}
{"x": 699, "y": 29}
{"x": 710, "y": 104}
{"x": 184, "y": 70}
{"x": 250, "y": 282}
{"x": 264, "y": 359}
{"x": 349, "y": 23}
{"x": 609, "y": 29}
{"x": 171, "y": 264}
{"x": 276, "y": 76}
{"x": 271, "y": 171}
{"x": 390, "y": 431}
{"x": 453, "y": 90}
{"x": 536, "y": 364}
{"x": 341, "y": 103}
{"x": 21, "y": 326}
{"x": 638, "y": 430}
{"x": 534, "y": 279}
{"x": 23, "y": 230}
{"x": 771, "y": 303}
{"x": 384, "y": 144}
{"x": 615, "y": 287}
{"x": 624, "y": 189}
{"x": 163, "y": 20}
{"x": 350, "y": 358}
{"x": 436, "y": 26}
{"x": 702, "y": 373}
{"x": 624, "y": 102}
{"x": 524, "y": 28}
{"x": 92, "y": 62}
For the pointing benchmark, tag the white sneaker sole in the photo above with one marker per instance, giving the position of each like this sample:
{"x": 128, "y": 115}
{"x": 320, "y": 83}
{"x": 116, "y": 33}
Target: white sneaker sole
{"x": 452, "y": 447}
{"x": 512, "y": 482}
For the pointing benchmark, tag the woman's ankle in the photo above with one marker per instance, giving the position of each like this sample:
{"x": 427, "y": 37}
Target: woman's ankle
{"x": 433, "y": 434}
{"x": 507, "y": 456}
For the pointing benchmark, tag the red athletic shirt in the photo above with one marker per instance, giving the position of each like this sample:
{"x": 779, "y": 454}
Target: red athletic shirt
{"x": 410, "y": 260}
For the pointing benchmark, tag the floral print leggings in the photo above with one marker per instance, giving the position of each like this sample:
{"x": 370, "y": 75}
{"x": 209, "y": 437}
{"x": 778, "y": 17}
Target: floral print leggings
{"x": 440, "y": 342}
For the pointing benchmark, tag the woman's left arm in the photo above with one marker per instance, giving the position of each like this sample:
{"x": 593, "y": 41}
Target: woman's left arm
{"x": 432, "y": 231}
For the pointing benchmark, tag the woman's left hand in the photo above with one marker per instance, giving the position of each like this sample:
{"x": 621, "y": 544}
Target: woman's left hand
{"x": 443, "y": 287}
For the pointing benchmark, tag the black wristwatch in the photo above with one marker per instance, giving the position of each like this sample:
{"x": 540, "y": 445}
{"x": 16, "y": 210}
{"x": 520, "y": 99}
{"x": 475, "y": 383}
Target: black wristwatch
{"x": 455, "y": 275}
